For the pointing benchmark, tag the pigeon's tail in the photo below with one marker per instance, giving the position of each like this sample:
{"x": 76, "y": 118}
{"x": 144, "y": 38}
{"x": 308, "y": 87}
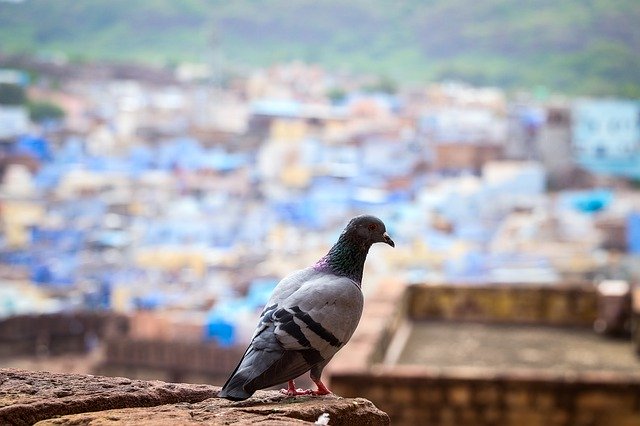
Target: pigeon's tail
{"x": 241, "y": 384}
{"x": 260, "y": 369}
{"x": 234, "y": 389}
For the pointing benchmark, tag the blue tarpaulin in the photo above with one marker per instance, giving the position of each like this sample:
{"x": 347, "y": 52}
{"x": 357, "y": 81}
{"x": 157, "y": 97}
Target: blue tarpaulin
{"x": 220, "y": 330}
{"x": 34, "y": 147}
{"x": 633, "y": 233}
{"x": 593, "y": 201}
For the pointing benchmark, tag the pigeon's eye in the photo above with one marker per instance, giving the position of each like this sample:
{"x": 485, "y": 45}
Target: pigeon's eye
{"x": 373, "y": 227}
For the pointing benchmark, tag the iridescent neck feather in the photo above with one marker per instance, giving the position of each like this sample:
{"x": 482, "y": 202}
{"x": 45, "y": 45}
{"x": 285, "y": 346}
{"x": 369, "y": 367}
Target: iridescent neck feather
{"x": 346, "y": 258}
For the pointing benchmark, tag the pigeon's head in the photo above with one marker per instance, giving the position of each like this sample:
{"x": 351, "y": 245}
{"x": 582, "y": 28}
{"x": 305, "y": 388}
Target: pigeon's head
{"x": 369, "y": 230}
{"x": 348, "y": 254}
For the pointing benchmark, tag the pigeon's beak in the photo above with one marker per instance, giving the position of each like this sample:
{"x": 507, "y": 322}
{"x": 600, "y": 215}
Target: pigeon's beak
{"x": 388, "y": 240}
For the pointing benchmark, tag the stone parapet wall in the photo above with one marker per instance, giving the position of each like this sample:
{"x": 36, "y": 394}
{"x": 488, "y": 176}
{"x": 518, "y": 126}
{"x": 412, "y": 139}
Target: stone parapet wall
{"x": 417, "y": 396}
{"x": 575, "y": 305}
{"x": 55, "y": 334}
{"x": 192, "y": 356}
{"x": 169, "y": 360}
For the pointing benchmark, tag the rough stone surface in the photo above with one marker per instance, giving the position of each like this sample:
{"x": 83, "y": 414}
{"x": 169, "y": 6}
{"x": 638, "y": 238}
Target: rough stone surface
{"x": 27, "y": 397}
{"x": 61, "y": 399}
{"x": 269, "y": 408}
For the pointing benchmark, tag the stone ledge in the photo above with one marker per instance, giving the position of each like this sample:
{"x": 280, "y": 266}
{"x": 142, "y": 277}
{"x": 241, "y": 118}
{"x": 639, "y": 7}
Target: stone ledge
{"x": 28, "y": 397}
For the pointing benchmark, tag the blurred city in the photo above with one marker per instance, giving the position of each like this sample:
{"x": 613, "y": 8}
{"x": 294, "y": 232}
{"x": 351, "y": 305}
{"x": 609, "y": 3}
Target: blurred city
{"x": 147, "y": 213}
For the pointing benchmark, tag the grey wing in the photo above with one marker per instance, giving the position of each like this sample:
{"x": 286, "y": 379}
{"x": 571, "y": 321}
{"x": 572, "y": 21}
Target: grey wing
{"x": 266, "y": 363}
{"x": 320, "y": 316}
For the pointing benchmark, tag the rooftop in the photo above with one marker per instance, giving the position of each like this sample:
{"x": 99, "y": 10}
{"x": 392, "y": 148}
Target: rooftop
{"x": 502, "y": 347}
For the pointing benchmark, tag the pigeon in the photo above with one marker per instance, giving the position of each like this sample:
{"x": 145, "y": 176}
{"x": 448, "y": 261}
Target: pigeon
{"x": 309, "y": 317}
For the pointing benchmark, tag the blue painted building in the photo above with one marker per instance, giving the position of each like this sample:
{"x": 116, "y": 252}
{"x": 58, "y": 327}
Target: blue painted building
{"x": 606, "y": 136}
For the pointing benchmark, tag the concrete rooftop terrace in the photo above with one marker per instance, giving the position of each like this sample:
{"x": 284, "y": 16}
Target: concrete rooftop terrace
{"x": 449, "y": 346}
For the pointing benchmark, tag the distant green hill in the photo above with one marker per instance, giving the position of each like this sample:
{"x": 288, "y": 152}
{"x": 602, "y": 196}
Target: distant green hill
{"x": 575, "y": 46}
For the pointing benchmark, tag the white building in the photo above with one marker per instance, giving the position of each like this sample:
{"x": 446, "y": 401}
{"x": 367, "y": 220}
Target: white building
{"x": 464, "y": 124}
{"x": 14, "y": 121}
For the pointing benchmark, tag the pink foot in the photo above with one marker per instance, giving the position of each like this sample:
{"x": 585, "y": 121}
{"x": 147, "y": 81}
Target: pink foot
{"x": 322, "y": 389}
{"x": 292, "y": 391}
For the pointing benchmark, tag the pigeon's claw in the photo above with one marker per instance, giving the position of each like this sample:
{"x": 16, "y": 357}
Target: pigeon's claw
{"x": 292, "y": 391}
{"x": 296, "y": 392}
{"x": 322, "y": 389}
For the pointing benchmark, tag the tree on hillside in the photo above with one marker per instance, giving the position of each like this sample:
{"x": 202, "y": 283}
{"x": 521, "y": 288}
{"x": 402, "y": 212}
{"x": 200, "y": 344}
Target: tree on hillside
{"x": 40, "y": 111}
{"x": 12, "y": 94}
